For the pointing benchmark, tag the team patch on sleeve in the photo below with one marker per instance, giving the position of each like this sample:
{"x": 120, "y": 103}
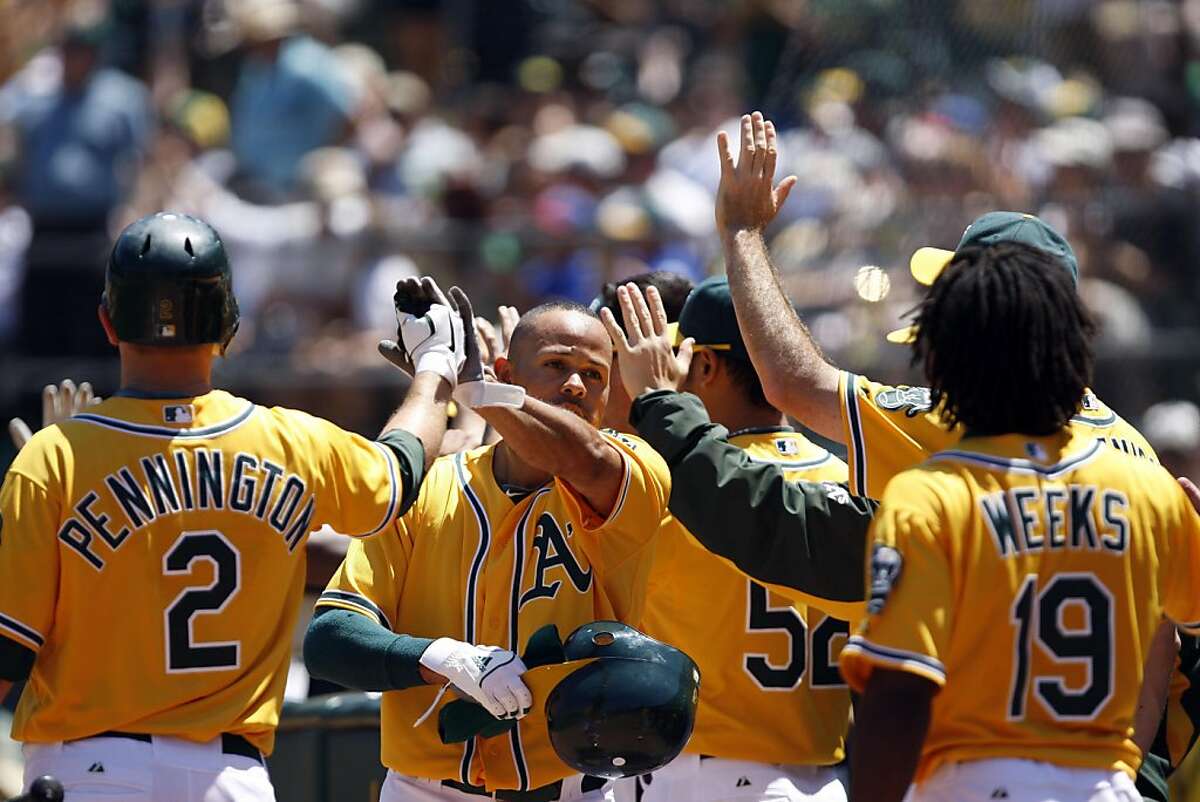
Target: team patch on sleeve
{"x": 627, "y": 441}
{"x": 911, "y": 400}
{"x": 886, "y": 564}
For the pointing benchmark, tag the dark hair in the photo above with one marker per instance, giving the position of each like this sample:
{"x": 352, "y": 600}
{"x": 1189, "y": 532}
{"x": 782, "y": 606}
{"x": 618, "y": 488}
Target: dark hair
{"x": 521, "y": 330}
{"x": 1005, "y": 340}
{"x": 672, "y": 287}
{"x": 746, "y": 378}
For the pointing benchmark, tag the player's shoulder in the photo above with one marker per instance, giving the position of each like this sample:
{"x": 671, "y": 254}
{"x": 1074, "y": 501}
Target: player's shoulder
{"x": 292, "y": 424}
{"x": 640, "y": 451}
{"x": 1100, "y": 420}
{"x": 46, "y": 458}
{"x": 630, "y": 441}
{"x": 936, "y": 489}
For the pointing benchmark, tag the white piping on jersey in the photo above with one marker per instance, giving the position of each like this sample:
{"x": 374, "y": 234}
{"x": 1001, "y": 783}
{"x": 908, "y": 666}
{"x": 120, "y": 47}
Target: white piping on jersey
{"x": 793, "y": 465}
{"x": 1025, "y": 466}
{"x": 22, "y": 629}
{"x": 925, "y": 664}
{"x": 390, "y": 459}
{"x": 626, "y": 480}
{"x": 485, "y": 539}
{"x": 514, "y": 630}
{"x": 356, "y": 600}
{"x": 858, "y": 444}
{"x": 165, "y": 432}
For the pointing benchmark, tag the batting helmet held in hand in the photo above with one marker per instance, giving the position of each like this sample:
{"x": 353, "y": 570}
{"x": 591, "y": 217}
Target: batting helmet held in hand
{"x": 631, "y": 711}
{"x": 169, "y": 283}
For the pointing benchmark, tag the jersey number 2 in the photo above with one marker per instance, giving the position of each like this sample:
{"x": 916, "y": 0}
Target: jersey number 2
{"x": 763, "y": 617}
{"x": 1092, "y": 644}
{"x": 184, "y": 655}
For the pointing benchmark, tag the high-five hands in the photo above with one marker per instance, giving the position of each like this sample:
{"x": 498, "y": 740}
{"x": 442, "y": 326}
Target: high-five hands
{"x": 644, "y": 349}
{"x": 475, "y": 387}
{"x": 747, "y": 198}
{"x": 430, "y": 333}
{"x": 59, "y": 402}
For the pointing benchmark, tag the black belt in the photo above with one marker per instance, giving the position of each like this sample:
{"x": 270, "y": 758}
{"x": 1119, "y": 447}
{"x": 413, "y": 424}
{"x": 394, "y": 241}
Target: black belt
{"x": 547, "y": 793}
{"x": 230, "y": 744}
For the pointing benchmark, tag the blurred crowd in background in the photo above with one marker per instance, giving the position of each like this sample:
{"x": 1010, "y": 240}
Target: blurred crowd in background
{"x": 530, "y": 149}
{"x": 535, "y": 149}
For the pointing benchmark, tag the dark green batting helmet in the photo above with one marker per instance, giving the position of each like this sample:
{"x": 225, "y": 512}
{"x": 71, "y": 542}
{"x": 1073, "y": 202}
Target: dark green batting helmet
{"x": 629, "y": 712}
{"x": 169, "y": 283}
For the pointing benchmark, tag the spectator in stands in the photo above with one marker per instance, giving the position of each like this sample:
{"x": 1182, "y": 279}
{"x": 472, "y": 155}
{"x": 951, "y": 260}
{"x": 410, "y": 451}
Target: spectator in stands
{"x": 293, "y": 96}
{"x": 79, "y": 142}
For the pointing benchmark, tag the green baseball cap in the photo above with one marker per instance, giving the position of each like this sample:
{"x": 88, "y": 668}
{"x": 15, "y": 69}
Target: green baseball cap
{"x": 709, "y": 318}
{"x": 990, "y": 229}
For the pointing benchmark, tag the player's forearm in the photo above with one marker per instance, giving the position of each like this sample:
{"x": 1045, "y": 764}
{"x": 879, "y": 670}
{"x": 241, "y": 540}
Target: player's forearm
{"x": 563, "y": 444}
{"x": 807, "y": 537}
{"x": 890, "y": 724}
{"x": 1156, "y": 685}
{"x": 795, "y": 374}
{"x": 423, "y": 413}
{"x": 354, "y": 651}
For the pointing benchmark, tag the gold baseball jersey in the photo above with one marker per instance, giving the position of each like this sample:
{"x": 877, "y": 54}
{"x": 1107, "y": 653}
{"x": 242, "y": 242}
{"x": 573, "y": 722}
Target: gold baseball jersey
{"x": 889, "y": 428}
{"x": 152, "y": 557}
{"x": 1026, "y": 577}
{"x": 467, "y": 562}
{"x": 770, "y": 689}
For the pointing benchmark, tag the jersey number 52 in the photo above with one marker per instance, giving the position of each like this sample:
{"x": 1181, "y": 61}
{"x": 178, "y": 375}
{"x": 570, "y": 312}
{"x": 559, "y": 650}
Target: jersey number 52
{"x": 762, "y": 617}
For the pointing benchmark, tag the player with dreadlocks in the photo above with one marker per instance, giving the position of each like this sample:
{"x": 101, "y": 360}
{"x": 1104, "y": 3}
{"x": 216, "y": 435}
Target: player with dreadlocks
{"x": 1027, "y": 530}
{"x": 995, "y": 292}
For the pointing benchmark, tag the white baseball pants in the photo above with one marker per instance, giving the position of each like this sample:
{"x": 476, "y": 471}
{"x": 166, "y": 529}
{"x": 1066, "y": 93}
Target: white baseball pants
{"x": 402, "y": 788}
{"x": 1013, "y": 780}
{"x": 164, "y": 770}
{"x": 689, "y": 778}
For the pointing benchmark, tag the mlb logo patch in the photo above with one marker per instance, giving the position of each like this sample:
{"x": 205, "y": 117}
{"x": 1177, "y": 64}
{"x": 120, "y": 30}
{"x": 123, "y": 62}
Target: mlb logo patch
{"x": 787, "y": 448}
{"x": 179, "y": 413}
{"x": 166, "y": 330}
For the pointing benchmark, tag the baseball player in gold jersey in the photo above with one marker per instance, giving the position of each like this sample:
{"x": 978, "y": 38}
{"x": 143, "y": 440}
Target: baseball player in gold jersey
{"x": 151, "y": 550}
{"x": 885, "y": 428}
{"x": 1070, "y": 549}
{"x": 773, "y": 709}
{"x": 553, "y": 525}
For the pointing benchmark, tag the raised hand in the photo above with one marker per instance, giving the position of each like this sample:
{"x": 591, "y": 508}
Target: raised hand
{"x": 494, "y": 344}
{"x": 59, "y": 402}
{"x": 747, "y": 198}
{"x": 644, "y": 349}
{"x": 431, "y": 333}
{"x": 476, "y": 382}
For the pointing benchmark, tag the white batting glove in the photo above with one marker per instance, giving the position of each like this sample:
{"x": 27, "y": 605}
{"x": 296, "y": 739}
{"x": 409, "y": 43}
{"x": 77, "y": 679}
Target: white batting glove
{"x": 434, "y": 341}
{"x": 487, "y": 674}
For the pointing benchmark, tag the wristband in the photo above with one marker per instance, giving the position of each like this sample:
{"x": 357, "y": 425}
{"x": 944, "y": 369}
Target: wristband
{"x": 489, "y": 394}
{"x": 439, "y": 362}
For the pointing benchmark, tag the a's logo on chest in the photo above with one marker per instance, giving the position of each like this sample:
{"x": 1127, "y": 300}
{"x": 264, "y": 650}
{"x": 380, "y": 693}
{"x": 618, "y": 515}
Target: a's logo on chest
{"x": 554, "y": 552}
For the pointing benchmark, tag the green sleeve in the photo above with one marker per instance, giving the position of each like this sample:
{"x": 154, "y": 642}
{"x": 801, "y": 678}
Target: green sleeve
{"x": 807, "y": 536}
{"x": 1157, "y": 766}
{"x": 410, "y": 453}
{"x": 355, "y": 651}
{"x": 16, "y": 661}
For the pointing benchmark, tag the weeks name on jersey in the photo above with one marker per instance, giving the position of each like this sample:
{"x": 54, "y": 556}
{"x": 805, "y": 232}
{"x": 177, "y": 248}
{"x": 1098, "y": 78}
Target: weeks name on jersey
{"x": 1075, "y": 516}
{"x": 186, "y": 480}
